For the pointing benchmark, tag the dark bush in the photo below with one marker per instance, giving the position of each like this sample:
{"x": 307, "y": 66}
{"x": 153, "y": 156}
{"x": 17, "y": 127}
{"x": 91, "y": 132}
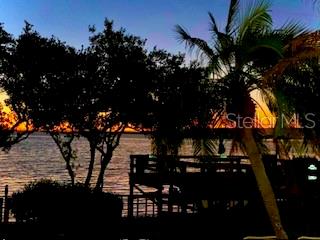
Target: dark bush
{"x": 71, "y": 210}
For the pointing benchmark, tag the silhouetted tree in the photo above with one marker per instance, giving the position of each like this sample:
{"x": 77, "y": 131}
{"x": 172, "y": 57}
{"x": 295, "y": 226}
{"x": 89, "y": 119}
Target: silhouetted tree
{"x": 179, "y": 98}
{"x": 117, "y": 72}
{"x": 39, "y": 82}
{"x": 9, "y": 123}
{"x": 129, "y": 87}
{"x": 238, "y": 59}
{"x": 99, "y": 91}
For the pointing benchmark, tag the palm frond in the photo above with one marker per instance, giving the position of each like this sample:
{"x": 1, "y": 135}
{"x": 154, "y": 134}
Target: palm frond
{"x": 257, "y": 103}
{"x": 262, "y": 145}
{"x": 284, "y": 113}
{"x": 217, "y": 67}
{"x": 302, "y": 48}
{"x": 218, "y": 35}
{"x": 223, "y": 42}
{"x": 298, "y": 148}
{"x": 282, "y": 148}
{"x": 255, "y": 19}
{"x": 304, "y": 42}
{"x": 277, "y": 70}
{"x": 204, "y": 147}
{"x": 269, "y": 99}
{"x": 272, "y": 44}
{"x": 291, "y": 29}
{"x": 232, "y": 17}
{"x": 192, "y": 43}
{"x": 218, "y": 118}
{"x": 236, "y": 147}
{"x": 213, "y": 25}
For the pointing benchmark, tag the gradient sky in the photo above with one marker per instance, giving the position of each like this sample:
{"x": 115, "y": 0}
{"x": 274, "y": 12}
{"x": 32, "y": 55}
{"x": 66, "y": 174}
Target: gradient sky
{"x": 151, "y": 19}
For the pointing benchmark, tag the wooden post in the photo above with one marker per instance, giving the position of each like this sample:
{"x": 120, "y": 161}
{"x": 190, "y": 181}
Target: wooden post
{"x": 146, "y": 207}
{"x": 159, "y": 199}
{"x": 153, "y": 214}
{"x": 6, "y": 207}
{"x": 137, "y": 207}
{"x": 162, "y": 171}
{"x": 170, "y": 198}
{"x": 131, "y": 183}
{"x": 1, "y": 209}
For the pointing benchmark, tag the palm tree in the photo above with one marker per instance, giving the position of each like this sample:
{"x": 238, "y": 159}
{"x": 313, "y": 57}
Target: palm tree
{"x": 300, "y": 86}
{"x": 240, "y": 55}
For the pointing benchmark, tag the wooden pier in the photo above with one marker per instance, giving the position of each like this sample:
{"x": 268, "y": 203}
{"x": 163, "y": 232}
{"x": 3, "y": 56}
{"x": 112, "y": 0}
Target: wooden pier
{"x": 177, "y": 197}
{"x": 189, "y": 184}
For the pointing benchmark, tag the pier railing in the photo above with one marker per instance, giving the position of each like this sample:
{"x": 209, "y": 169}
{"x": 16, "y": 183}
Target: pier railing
{"x": 146, "y": 206}
{"x": 5, "y": 213}
{"x": 298, "y": 178}
{"x": 180, "y": 183}
{"x": 189, "y": 183}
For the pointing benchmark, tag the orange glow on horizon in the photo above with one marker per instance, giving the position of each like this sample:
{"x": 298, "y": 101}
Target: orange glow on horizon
{"x": 263, "y": 118}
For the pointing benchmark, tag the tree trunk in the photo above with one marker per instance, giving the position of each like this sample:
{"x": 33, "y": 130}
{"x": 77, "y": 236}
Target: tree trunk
{"x": 91, "y": 164}
{"x": 65, "y": 149}
{"x": 104, "y": 163}
{"x": 263, "y": 182}
{"x": 71, "y": 173}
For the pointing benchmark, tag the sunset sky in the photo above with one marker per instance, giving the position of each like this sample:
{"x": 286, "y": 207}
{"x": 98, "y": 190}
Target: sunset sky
{"x": 151, "y": 19}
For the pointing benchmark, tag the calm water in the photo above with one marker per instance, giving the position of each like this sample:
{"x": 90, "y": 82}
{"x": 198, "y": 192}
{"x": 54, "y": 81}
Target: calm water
{"x": 38, "y": 157}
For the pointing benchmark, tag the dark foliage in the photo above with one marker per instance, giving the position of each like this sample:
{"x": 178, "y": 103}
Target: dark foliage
{"x": 39, "y": 80}
{"x": 69, "y": 210}
{"x": 8, "y": 135}
{"x": 182, "y": 98}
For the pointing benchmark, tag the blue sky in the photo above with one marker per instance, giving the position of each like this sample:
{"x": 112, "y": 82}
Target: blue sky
{"x": 151, "y": 19}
